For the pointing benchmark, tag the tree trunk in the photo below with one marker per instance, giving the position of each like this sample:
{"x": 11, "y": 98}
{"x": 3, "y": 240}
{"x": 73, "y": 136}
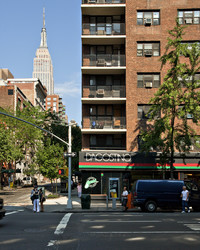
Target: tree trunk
{"x": 56, "y": 187}
{"x": 172, "y": 146}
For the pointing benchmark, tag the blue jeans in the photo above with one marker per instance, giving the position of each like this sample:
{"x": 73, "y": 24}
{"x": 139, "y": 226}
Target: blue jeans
{"x": 185, "y": 204}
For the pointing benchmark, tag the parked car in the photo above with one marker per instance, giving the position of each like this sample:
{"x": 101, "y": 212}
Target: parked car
{"x": 2, "y": 210}
{"x": 28, "y": 181}
{"x": 150, "y": 194}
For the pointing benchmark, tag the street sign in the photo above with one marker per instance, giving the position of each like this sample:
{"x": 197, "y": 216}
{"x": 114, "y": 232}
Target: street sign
{"x": 73, "y": 154}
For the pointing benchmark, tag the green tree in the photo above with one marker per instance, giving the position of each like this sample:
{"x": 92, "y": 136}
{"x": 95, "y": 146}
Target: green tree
{"x": 29, "y": 138}
{"x": 177, "y": 97}
{"x": 9, "y": 151}
{"x": 49, "y": 158}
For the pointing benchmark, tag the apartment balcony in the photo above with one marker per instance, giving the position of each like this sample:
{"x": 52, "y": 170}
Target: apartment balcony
{"x": 104, "y": 33}
{"x": 102, "y": 125}
{"x": 104, "y": 142}
{"x": 104, "y": 94}
{"x": 108, "y": 7}
{"x": 103, "y": 64}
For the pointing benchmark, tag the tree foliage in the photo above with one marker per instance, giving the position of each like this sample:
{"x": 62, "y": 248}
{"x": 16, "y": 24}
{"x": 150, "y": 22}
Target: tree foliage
{"x": 176, "y": 98}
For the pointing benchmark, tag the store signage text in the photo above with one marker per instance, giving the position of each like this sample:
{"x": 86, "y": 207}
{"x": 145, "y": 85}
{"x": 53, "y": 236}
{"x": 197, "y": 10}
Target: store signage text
{"x": 106, "y": 157}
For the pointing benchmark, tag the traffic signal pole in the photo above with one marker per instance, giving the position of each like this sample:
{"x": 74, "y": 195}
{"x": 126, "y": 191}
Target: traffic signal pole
{"x": 69, "y": 201}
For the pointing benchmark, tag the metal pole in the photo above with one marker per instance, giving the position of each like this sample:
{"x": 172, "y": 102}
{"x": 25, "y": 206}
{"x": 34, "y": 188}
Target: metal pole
{"x": 69, "y": 201}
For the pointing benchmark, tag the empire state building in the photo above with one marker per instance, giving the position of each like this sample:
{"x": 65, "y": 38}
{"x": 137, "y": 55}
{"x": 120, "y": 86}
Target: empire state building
{"x": 42, "y": 64}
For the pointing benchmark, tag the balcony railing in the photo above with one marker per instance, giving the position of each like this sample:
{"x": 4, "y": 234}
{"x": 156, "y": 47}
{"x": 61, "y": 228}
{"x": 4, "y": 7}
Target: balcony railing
{"x": 104, "y": 60}
{"x": 104, "y": 92}
{"x": 103, "y": 29}
{"x": 103, "y": 1}
{"x": 104, "y": 122}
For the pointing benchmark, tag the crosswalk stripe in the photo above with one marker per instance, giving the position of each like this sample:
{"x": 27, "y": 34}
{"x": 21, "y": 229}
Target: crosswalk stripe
{"x": 195, "y": 227}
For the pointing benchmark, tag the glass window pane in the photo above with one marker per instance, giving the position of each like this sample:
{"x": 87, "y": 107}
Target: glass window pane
{"x": 197, "y": 13}
{"x": 156, "y": 14}
{"x": 156, "y": 22}
{"x": 180, "y": 20}
{"x": 180, "y": 14}
{"x": 116, "y": 27}
{"x": 140, "y": 21}
{"x": 196, "y": 20}
{"x": 140, "y": 15}
{"x": 139, "y": 46}
{"x": 148, "y": 46}
{"x": 140, "y": 84}
{"x": 147, "y": 15}
{"x": 188, "y": 13}
{"x": 140, "y": 77}
{"x": 156, "y": 53}
{"x": 156, "y": 77}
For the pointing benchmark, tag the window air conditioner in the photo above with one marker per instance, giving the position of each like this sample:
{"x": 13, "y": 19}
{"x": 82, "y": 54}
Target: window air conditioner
{"x": 100, "y": 91}
{"x": 188, "y": 20}
{"x": 148, "y": 53}
{"x": 148, "y": 21}
{"x": 148, "y": 84}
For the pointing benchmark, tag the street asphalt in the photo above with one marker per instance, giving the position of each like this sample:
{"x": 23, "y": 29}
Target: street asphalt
{"x": 22, "y": 229}
{"x": 96, "y": 228}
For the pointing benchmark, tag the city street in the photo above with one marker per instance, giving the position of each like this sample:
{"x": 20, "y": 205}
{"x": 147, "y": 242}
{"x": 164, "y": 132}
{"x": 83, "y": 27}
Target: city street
{"x": 23, "y": 229}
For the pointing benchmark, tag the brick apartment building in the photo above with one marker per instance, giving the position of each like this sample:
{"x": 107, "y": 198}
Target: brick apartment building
{"x": 122, "y": 41}
{"x": 33, "y": 89}
{"x": 54, "y": 104}
{"x": 17, "y": 93}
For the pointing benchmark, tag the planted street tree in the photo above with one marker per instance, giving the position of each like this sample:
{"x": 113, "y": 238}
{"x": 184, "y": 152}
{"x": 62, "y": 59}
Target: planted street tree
{"x": 49, "y": 158}
{"x": 177, "y": 99}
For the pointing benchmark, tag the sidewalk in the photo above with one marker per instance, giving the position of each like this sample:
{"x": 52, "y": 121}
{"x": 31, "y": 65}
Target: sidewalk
{"x": 59, "y": 205}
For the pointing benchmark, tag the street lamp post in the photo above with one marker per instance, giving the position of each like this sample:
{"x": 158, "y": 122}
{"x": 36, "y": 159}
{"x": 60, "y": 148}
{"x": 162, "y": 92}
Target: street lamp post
{"x": 69, "y": 201}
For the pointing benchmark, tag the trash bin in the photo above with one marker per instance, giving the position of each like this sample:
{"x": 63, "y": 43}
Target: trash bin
{"x": 85, "y": 201}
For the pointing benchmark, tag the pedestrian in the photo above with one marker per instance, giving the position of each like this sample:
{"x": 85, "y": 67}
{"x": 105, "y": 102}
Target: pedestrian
{"x": 79, "y": 188}
{"x": 185, "y": 199}
{"x": 125, "y": 198}
{"x": 42, "y": 199}
{"x": 36, "y": 205}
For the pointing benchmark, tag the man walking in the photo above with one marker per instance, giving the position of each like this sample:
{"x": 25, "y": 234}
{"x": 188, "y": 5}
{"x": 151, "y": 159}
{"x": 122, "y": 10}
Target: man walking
{"x": 36, "y": 200}
{"x": 185, "y": 199}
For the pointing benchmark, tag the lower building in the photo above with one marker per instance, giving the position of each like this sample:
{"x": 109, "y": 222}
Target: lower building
{"x": 122, "y": 43}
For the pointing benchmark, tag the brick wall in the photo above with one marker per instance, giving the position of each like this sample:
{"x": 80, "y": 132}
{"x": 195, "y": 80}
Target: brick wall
{"x": 134, "y": 64}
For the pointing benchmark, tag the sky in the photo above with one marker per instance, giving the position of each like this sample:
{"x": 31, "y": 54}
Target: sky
{"x": 20, "y": 33}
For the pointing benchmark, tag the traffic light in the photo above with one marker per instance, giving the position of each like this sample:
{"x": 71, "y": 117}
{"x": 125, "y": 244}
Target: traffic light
{"x": 61, "y": 171}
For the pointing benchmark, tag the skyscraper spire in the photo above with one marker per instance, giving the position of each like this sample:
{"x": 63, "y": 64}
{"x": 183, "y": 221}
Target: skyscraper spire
{"x": 43, "y": 18}
{"x": 43, "y": 42}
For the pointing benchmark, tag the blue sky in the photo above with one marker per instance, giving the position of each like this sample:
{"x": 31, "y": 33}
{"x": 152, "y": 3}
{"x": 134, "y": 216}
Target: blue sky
{"x": 20, "y": 28}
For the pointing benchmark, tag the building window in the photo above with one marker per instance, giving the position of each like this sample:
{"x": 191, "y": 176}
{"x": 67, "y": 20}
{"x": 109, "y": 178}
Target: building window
{"x": 188, "y": 79}
{"x": 54, "y": 98}
{"x": 54, "y": 109}
{"x": 143, "y": 110}
{"x": 148, "y": 49}
{"x": 49, "y": 99}
{"x": 189, "y": 16}
{"x": 148, "y": 80}
{"x": 54, "y": 104}
{"x": 48, "y": 103}
{"x": 148, "y": 18}
{"x": 10, "y": 91}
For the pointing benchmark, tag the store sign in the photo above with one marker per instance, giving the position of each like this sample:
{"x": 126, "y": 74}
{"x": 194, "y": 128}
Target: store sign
{"x": 107, "y": 157}
{"x": 91, "y": 182}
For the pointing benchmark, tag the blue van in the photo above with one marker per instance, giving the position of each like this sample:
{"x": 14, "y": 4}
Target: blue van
{"x": 150, "y": 194}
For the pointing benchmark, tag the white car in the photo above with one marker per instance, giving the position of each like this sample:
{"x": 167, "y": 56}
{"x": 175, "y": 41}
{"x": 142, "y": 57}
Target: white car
{"x": 27, "y": 181}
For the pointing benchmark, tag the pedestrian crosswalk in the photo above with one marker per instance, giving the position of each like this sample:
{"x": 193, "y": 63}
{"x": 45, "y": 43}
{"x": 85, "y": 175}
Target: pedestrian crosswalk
{"x": 195, "y": 227}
